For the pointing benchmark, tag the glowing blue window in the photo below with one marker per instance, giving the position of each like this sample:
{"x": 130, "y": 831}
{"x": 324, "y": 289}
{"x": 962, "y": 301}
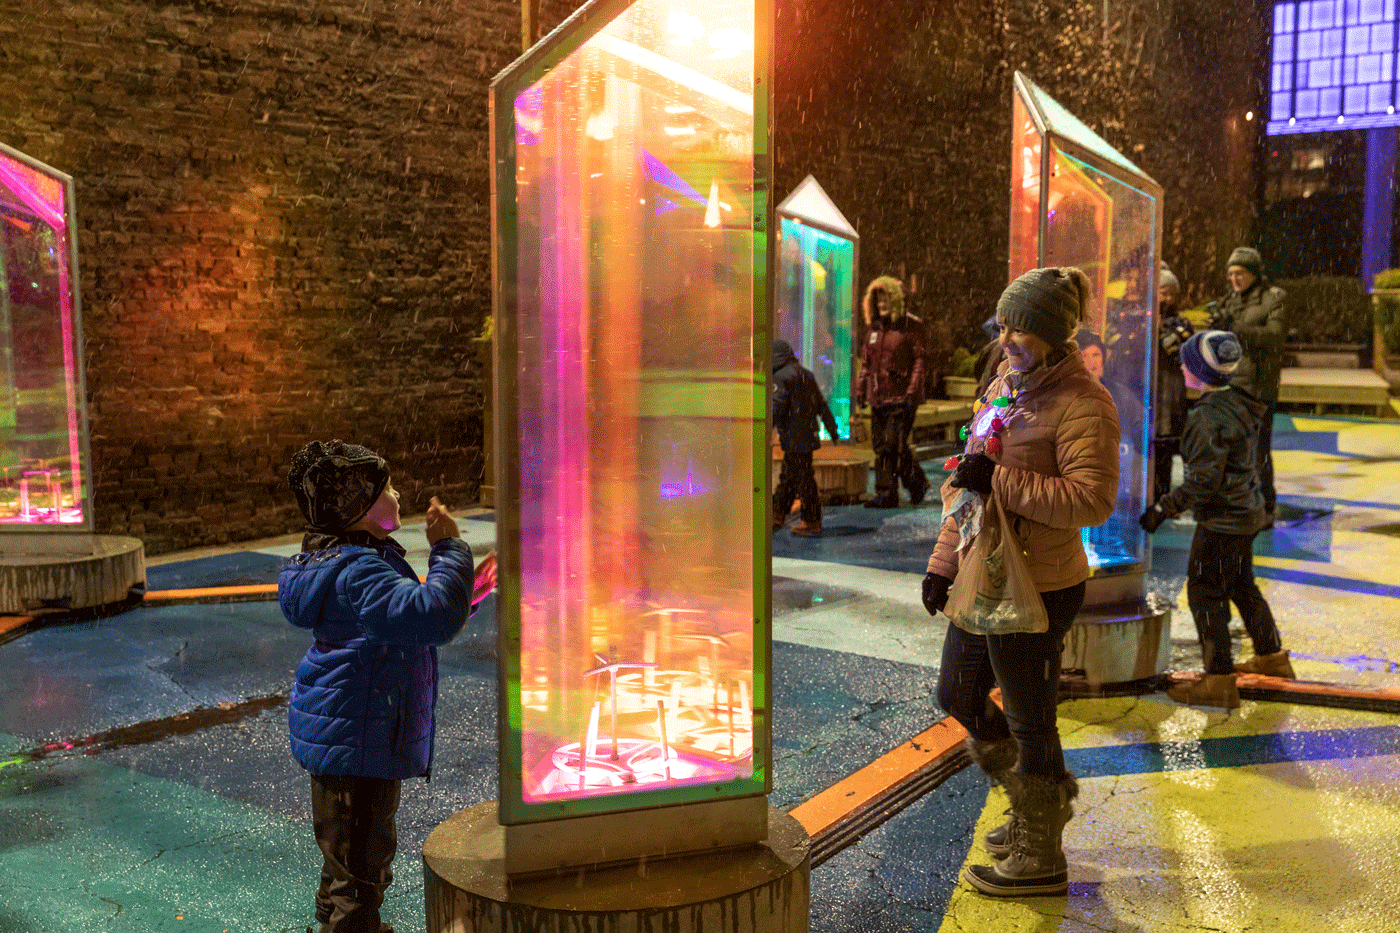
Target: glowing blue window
{"x": 1332, "y": 66}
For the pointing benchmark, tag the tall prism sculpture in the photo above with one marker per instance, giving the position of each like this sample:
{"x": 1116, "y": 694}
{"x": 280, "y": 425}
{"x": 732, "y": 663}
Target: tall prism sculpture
{"x": 632, "y": 249}
{"x": 818, "y": 282}
{"x": 46, "y": 515}
{"x": 1077, "y": 201}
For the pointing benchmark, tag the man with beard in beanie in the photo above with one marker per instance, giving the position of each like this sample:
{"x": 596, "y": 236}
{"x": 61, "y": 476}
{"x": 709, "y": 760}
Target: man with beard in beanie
{"x": 1221, "y": 488}
{"x": 1257, "y": 313}
{"x": 362, "y": 707}
{"x": 892, "y": 383}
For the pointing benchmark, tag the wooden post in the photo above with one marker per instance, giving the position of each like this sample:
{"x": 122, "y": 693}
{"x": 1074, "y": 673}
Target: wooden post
{"x": 529, "y": 23}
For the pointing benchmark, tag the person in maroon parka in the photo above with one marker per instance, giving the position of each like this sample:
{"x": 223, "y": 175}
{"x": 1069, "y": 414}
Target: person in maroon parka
{"x": 891, "y": 383}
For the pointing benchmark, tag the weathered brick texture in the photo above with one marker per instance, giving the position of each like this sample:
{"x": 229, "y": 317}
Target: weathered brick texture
{"x": 284, "y": 235}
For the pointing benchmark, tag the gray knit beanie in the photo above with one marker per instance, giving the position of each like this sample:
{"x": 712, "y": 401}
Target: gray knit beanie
{"x": 1247, "y": 257}
{"x": 1048, "y": 302}
{"x": 1168, "y": 278}
{"x": 1212, "y": 356}
{"x": 336, "y": 483}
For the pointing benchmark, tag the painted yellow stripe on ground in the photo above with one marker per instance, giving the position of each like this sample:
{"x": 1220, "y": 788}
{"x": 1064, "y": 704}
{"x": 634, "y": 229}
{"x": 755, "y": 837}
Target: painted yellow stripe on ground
{"x": 1290, "y": 846}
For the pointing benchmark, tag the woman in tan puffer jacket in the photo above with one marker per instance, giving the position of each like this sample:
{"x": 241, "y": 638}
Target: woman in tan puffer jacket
{"x": 1053, "y": 467}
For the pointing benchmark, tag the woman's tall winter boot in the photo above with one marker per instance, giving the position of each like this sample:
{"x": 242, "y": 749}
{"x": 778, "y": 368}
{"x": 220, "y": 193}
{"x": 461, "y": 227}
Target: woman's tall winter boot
{"x": 1036, "y": 865}
{"x": 997, "y": 759}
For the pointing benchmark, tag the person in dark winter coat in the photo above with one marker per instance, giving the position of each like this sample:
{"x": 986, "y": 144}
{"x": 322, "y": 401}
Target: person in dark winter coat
{"x": 1221, "y": 488}
{"x": 362, "y": 707}
{"x": 892, "y": 383}
{"x": 1257, "y": 313}
{"x": 797, "y": 405}
{"x": 1170, "y": 414}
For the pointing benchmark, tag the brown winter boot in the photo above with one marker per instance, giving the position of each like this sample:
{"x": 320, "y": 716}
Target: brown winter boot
{"x": 1036, "y": 864}
{"x": 805, "y": 529}
{"x": 996, "y": 759}
{"x": 1270, "y": 665}
{"x": 1210, "y": 690}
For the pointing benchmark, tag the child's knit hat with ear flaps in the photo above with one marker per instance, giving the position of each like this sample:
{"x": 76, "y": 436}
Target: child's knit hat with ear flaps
{"x": 336, "y": 483}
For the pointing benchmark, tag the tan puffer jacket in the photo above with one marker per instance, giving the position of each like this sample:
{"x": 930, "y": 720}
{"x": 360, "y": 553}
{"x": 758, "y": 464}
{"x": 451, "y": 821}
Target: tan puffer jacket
{"x": 1057, "y": 471}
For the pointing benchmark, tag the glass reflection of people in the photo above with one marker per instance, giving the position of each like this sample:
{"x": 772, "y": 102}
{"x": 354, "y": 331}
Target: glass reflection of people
{"x": 1221, "y": 488}
{"x": 798, "y": 404}
{"x": 892, "y": 383}
{"x": 1098, "y": 360}
{"x": 1051, "y": 458}
{"x": 1171, "y": 407}
{"x": 1257, "y": 313}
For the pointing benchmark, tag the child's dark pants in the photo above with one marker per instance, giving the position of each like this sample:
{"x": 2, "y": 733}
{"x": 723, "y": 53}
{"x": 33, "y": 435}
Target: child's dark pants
{"x": 797, "y": 480}
{"x": 354, "y": 822}
{"x": 1221, "y": 571}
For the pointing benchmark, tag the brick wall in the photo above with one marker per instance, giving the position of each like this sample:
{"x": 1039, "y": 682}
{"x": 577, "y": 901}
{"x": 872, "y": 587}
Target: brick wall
{"x": 284, "y": 205}
{"x": 284, "y": 235}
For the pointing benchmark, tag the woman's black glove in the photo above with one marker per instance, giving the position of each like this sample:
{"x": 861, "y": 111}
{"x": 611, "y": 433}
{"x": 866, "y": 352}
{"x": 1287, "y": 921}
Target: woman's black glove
{"x": 1152, "y": 519}
{"x": 935, "y": 593}
{"x": 975, "y": 472}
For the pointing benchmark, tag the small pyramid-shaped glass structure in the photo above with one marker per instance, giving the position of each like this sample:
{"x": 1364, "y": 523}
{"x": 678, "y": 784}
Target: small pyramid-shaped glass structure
{"x": 44, "y": 482}
{"x": 1077, "y": 201}
{"x": 631, "y": 249}
{"x": 818, "y": 269}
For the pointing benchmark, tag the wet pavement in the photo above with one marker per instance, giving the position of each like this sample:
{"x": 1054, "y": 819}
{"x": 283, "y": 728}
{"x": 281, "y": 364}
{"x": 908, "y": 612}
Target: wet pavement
{"x": 145, "y": 781}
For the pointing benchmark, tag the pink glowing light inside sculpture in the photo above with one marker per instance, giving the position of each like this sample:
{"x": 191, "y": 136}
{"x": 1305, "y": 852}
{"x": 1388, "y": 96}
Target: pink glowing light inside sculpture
{"x": 43, "y": 483}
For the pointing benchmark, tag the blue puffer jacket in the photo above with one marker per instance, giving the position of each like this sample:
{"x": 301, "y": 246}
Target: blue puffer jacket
{"x": 365, "y": 692}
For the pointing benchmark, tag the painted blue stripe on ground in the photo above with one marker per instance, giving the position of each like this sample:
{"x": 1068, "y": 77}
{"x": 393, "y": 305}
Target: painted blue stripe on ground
{"x": 1234, "y": 751}
{"x": 1330, "y": 503}
{"x": 1364, "y": 587}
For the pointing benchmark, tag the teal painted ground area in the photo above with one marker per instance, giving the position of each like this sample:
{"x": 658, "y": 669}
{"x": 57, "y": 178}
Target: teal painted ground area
{"x": 146, "y": 785}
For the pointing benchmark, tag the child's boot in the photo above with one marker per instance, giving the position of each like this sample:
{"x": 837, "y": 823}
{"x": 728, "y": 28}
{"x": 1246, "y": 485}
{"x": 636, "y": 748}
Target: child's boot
{"x": 1270, "y": 665}
{"x": 1210, "y": 690}
{"x": 806, "y": 529}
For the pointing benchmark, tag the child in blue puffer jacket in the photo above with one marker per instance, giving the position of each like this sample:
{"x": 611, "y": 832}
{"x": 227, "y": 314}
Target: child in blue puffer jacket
{"x": 362, "y": 706}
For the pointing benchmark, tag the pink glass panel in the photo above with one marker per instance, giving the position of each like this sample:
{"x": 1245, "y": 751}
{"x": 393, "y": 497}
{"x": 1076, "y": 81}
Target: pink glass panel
{"x": 41, "y": 468}
{"x": 637, "y": 406}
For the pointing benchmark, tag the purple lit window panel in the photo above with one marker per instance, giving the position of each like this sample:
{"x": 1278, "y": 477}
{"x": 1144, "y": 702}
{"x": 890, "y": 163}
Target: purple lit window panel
{"x": 41, "y": 446}
{"x": 1333, "y": 66}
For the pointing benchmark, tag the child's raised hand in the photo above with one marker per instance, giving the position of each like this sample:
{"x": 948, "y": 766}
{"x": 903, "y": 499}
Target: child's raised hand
{"x": 485, "y": 578}
{"x": 440, "y": 523}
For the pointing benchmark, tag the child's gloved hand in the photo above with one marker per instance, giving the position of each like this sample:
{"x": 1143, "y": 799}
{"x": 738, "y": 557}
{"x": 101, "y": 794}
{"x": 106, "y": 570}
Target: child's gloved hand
{"x": 485, "y": 578}
{"x": 440, "y": 523}
{"x": 974, "y": 472}
{"x": 1152, "y": 519}
{"x": 935, "y": 592}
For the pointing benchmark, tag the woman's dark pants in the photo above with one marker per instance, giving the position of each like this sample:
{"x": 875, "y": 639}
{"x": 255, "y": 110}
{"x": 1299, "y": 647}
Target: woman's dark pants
{"x": 1027, "y": 668}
